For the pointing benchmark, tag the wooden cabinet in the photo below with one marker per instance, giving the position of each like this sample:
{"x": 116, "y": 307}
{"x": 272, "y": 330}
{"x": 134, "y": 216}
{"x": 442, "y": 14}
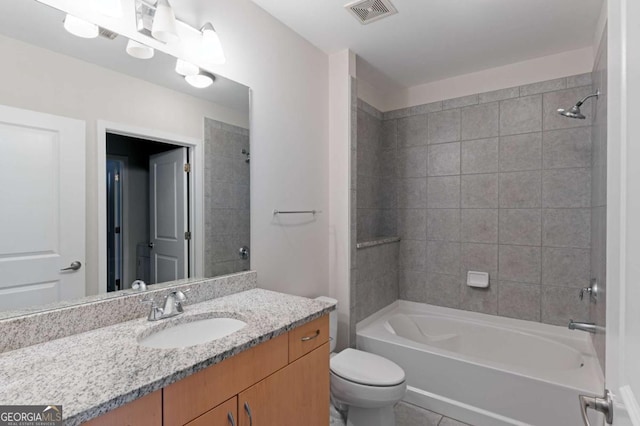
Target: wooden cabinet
{"x": 225, "y": 414}
{"x": 296, "y": 395}
{"x": 145, "y": 411}
{"x": 283, "y": 382}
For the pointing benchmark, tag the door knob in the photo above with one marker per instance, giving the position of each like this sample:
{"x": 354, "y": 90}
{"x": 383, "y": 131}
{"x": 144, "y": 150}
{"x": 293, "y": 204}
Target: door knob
{"x": 74, "y": 266}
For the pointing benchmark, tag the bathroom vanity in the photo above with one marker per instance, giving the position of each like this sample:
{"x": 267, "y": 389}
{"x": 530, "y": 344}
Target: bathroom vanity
{"x": 274, "y": 371}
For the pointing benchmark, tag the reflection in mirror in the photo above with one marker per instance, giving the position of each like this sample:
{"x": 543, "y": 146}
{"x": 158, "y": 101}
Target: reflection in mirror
{"x": 119, "y": 170}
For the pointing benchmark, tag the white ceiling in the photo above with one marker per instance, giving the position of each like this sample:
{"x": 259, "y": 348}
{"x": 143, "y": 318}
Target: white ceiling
{"x": 41, "y": 25}
{"x": 429, "y": 40}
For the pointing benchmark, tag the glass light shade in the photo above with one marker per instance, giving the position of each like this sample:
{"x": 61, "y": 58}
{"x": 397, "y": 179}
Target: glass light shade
{"x": 211, "y": 48}
{"x": 80, "y": 28}
{"x": 186, "y": 68}
{"x": 164, "y": 23}
{"x": 199, "y": 81}
{"x": 139, "y": 50}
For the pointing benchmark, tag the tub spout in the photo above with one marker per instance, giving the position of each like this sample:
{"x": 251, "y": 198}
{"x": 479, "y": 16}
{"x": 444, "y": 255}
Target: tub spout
{"x": 583, "y": 326}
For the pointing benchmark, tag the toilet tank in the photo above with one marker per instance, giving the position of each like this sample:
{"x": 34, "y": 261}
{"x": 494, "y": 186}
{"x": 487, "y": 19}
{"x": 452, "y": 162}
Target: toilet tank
{"x": 333, "y": 321}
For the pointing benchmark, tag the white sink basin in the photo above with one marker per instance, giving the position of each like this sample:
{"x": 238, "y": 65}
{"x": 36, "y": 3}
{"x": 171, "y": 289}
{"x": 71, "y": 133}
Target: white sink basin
{"x": 192, "y": 333}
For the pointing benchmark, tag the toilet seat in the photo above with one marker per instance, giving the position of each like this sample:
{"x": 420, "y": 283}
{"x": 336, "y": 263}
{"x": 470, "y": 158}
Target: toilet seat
{"x": 366, "y": 369}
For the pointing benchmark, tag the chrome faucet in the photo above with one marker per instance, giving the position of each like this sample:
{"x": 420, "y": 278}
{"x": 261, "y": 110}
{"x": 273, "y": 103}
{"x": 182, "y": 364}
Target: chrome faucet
{"x": 172, "y": 306}
{"x": 589, "y": 327}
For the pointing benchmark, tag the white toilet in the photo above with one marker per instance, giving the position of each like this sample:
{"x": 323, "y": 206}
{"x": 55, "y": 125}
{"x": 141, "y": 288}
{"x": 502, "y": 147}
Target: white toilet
{"x": 365, "y": 385}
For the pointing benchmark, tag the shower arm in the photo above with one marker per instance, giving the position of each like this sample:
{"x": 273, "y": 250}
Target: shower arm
{"x": 593, "y": 95}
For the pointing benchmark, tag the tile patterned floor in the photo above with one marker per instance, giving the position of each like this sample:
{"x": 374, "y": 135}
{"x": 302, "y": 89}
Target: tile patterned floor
{"x": 411, "y": 415}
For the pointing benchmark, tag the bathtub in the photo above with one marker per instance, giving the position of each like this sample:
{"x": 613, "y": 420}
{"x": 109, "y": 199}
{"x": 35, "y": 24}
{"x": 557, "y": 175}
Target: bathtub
{"x": 483, "y": 369}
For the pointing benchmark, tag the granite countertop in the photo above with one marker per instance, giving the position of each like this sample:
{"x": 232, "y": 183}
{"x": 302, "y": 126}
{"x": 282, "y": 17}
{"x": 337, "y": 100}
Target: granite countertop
{"x": 94, "y": 372}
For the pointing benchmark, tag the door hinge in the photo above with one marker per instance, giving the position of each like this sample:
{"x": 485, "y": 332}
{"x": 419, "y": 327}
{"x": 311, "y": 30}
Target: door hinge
{"x": 187, "y": 235}
{"x": 187, "y": 168}
{"x": 117, "y": 230}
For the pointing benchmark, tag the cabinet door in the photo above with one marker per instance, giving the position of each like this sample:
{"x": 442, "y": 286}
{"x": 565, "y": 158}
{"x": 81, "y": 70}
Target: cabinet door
{"x": 225, "y": 414}
{"x": 296, "y": 395}
{"x": 146, "y": 411}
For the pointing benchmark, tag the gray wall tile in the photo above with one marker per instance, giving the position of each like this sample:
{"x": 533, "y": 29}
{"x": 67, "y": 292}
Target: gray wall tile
{"x": 543, "y": 86}
{"x": 520, "y": 226}
{"x": 412, "y": 224}
{"x": 412, "y": 193}
{"x": 566, "y": 188}
{"x": 521, "y": 301}
{"x": 565, "y": 99}
{"x": 567, "y": 148}
{"x": 413, "y": 255}
{"x": 480, "y": 225}
{"x": 520, "y": 264}
{"x": 521, "y": 115}
{"x": 443, "y": 159}
{"x": 480, "y": 191}
{"x": 412, "y": 131}
{"x": 444, "y": 126}
{"x": 499, "y": 95}
{"x": 579, "y": 80}
{"x": 443, "y": 192}
{"x": 521, "y": 152}
{"x": 561, "y": 304}
{"x": 443, "y": 224}
{"x": 480, "y": 258}
{"x": 484, "y": 300}
{"x": 413, "y": 285}
{"x": 388, "y": 137}
{"x": 520, "y": 190}
{"x": 443, "y": 257}
{"x": 412, "y": 162}
{"x": 565, "y": 267}
{"x": 460, "y": 102}
{"x": 480, "y": 156}
{"x": 480, "y": 121}
{"x": 566, "y": 228}
{"x": 443, "y": 290}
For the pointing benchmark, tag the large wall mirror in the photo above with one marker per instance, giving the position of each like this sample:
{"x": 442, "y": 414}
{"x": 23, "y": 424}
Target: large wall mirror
{"x": 115, "y": 168}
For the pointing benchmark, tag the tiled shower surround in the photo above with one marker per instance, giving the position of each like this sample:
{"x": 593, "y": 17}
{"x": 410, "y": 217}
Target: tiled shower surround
{"x": 495, "y": 182}
{"x": 226, "y": 203}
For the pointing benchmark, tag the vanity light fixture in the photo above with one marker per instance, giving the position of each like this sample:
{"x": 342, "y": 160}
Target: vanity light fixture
{"x": 164, "y": 23}
{"x": 139, "y": 50}
{"x": 212, "y": 52}
{"x": 185, "y": 68}
{"x": 80, "y": 28}
{"x": 201, "y": 80}
{"x": 112, "y": 8}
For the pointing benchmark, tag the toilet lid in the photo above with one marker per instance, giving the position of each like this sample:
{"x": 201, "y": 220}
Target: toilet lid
{"x": 366, "y": 368}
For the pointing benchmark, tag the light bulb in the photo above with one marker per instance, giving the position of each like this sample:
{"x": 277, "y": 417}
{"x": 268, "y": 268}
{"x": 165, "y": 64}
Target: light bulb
{"x": 164, "y": 23}
{"x": 211, "y": 48}
{"x": 80, "y": 28}
{"x": 139, "y": 50}
{"x": 186, "y": 68}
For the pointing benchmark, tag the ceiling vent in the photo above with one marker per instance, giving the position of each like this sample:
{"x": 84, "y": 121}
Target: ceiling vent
{"x": 367, "y": 11}
{"x": 110, "y": 35}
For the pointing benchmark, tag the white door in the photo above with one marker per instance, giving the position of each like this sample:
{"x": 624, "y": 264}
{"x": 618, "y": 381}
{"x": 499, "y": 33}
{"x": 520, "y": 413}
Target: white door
{"x": 169, "y": 215}
{"x": 623, "y": 215}
{"x": 42, "y": 208}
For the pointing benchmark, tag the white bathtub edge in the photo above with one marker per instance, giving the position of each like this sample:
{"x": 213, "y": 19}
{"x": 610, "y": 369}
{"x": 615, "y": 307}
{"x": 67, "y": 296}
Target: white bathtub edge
{"x": 457, "y": 410}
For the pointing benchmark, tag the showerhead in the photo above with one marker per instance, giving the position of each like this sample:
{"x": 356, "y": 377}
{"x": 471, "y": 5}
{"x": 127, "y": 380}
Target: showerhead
{"x": 574, "y": 111}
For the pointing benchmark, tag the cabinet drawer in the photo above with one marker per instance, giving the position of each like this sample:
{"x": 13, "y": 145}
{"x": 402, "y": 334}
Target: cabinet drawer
{"x": 307, "y": 337}
{"x": 225, "y": 414}
{"x": 193, "y": 396}
{"x": 141, "y": 412}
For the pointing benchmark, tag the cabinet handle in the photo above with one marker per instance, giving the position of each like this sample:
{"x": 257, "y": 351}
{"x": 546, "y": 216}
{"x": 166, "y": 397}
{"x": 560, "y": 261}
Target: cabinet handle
{"x": 247, "y": 408}
{"x": 307, "y": 338}
{"x": 232, "y": 422}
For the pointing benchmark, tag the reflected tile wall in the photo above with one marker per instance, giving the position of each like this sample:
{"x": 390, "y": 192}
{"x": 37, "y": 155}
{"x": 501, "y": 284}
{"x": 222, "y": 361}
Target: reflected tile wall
{"x": 499, "y": 182}
{"x": 226, "y": 203}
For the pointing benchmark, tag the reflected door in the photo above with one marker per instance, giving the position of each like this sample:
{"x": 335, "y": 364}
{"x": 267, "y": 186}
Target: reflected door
{"x": 169, "y": 215}
{"x": 42, "y": 197}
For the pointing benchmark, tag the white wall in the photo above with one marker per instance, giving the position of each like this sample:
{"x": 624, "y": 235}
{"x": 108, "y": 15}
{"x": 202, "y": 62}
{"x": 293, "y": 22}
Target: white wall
{"x": 289, "y": 134}
{"x": 381, "y": 92}
{"x": 41, "y": 80}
